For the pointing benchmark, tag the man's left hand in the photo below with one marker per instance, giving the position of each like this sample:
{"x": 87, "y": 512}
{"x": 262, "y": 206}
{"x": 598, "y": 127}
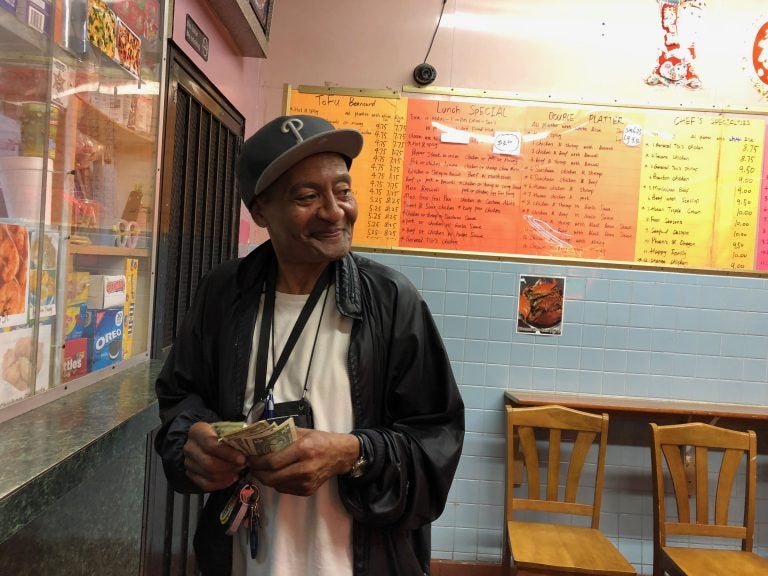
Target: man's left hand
{"x": 307, "y": 463}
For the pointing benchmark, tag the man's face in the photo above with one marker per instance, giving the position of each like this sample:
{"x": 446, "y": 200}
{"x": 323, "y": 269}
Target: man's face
{"x": 309, "y": 211}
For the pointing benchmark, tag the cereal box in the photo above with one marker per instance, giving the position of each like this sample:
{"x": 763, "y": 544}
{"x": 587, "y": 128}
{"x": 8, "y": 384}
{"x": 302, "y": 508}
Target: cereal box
{"x": 74, "y": 321}
{"x": 104, "y": 330}
{"x": 131, "y": 279}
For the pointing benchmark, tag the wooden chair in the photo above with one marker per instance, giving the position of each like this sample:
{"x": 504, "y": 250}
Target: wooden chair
{"x": 558, "y": 548}
{"x": 693, "y": 448}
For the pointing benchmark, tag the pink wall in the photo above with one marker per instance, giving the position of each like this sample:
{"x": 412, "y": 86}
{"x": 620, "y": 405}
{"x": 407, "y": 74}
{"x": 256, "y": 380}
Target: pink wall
{"x": 236, "y": 77}
{"x": 233, "y": 75}
{"x": 582, "y": 51}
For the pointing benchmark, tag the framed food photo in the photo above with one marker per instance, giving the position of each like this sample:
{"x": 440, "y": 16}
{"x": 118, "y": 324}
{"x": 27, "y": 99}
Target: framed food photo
{"x": 540, "y": 305}
{"x": 262, "y": 9}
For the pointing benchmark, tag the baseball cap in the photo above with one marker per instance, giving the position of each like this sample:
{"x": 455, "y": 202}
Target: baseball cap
{"x": 284, "y": 142}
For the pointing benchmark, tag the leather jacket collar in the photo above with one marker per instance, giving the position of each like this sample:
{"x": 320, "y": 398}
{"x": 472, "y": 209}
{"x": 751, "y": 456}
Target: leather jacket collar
{"x": 251, "y": 270}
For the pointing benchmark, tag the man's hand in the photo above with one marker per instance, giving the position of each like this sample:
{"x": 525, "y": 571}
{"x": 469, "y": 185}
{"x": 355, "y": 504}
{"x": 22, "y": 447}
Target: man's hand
{"x": 306, "y": 464}
{"x": 211, "y": 464}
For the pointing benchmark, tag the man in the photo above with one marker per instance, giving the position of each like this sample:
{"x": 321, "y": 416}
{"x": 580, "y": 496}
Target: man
{"x": 304, "y": 321}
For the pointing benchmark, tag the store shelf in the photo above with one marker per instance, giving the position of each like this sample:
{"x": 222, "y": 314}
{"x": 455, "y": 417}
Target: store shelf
{"x": 95, "y": 250}
{"x": 92, "y": 121}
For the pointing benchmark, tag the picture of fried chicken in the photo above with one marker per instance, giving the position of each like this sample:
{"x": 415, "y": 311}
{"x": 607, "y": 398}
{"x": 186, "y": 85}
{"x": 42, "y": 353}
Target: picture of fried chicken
{"x": 18, "y": 369}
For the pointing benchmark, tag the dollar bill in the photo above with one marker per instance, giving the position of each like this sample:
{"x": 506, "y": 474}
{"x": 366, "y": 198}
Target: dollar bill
{"x": 225, "y": 428}
{"x": 261, "y": 437}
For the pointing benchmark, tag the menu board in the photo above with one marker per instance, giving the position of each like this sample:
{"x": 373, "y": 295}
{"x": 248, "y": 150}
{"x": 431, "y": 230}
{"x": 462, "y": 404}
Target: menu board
{"x": 377, "y": 172}
{"x": 678, "y": 189}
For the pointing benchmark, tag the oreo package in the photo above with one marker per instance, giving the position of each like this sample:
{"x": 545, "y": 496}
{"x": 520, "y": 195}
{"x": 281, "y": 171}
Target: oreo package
{"x": 104, "y": 330}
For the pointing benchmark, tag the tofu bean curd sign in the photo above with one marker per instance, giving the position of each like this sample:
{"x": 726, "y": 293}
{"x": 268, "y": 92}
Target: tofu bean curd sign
{"x": 643, "y": 186}
{"x": 377, "y": 173}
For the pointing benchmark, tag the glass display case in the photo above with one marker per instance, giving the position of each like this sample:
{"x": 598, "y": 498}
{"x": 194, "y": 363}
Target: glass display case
{"x": 79, "y": 81}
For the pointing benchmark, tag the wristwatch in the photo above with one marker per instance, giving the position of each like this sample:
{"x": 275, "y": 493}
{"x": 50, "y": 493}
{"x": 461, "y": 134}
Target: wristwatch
{"x": 360, "y": 467}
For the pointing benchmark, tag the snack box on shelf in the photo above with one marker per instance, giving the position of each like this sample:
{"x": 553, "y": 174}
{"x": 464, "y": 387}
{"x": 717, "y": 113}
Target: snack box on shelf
{"x": 104, "y": 331}
{"x": 131, "y": 280}
{"x": 74, "y": 321}
{"x": 74, "y": 359}
{"x": 106, "y": 291}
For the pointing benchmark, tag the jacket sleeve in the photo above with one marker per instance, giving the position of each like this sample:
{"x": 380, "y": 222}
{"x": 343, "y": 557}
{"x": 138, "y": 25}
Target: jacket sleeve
{"x": 183, "y": 391}
{"x": 418, "y": 442}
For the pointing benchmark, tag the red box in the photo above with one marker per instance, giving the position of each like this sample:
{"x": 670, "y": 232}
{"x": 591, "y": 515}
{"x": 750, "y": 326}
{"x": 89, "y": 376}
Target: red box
{"x": 75, "y": 359}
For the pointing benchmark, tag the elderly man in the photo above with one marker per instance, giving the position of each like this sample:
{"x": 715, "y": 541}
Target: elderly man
{"x": 304, "y": 325}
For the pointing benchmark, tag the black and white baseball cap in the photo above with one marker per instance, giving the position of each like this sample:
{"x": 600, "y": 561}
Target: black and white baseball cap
{"x": 284, "y": 142}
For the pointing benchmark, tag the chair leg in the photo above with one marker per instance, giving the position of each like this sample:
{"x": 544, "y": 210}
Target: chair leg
{"x": 658, "y": 569}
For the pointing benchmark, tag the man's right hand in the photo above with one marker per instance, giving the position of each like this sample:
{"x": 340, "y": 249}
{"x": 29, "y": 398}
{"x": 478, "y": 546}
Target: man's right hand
{"x": 211, "y": 464}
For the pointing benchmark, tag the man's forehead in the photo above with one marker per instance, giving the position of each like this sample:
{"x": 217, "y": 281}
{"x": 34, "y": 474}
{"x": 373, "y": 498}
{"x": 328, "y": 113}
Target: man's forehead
{"x": 324, "y": 162}
{"x": 308, "y": 172}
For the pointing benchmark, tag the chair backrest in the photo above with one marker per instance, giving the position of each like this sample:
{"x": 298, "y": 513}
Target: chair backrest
{"x": 689, "y": 451}
{"x": 555, "y": 428}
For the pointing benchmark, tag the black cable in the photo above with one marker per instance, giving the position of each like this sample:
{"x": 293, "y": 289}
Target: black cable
{"x": 435, "y": 32}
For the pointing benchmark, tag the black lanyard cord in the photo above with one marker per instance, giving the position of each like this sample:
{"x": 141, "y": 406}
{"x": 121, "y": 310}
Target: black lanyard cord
{"x": 314, "y": 345}
{"x": 266, "y": 328}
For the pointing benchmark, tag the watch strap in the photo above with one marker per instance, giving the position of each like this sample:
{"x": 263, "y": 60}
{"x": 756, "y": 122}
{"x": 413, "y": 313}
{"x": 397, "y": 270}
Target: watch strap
{"x": 364, "y": 458}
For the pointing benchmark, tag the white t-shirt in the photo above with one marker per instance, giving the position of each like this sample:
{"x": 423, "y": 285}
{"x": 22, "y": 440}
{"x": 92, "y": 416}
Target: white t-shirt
{"x": 304, "y": 535}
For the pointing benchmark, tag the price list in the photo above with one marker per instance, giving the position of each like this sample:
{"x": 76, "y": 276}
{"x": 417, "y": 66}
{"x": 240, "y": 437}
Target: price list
{"x": 382, "y": 215}
{"x": 738, "y": 191}
{"x": 677, "y": 192}
{"x": 579, "y": 180}
{"x": 377, "y": 172}
{"x": 659, "y": 187}
{"x": 458, "y": 192}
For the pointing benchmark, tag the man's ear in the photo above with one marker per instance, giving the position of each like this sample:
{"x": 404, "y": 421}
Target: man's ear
{"x": 257, "y": 215}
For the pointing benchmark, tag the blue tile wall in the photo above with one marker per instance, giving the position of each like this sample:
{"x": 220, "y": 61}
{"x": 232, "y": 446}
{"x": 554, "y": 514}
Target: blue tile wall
{"x": 626, "y": 332}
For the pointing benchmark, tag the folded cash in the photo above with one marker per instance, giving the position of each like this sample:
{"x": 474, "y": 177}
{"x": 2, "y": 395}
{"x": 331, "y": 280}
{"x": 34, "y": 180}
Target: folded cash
{"x": 258, "y": 438}
{"x": 225, "y": 428}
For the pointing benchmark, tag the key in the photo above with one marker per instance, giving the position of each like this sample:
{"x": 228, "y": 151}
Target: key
{"x": 254, "y": 521}
{"x": 243, "y": 506}
{"x": 231, "y": 506}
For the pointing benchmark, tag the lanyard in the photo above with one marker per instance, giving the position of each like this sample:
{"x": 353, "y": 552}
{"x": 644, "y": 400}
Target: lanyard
{"x": 267, "y": 318}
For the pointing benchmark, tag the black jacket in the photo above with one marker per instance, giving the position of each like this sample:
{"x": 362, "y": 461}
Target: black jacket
{"x": 404, "y": 398}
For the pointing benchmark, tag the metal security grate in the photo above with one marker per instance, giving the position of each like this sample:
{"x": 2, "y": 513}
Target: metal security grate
{"x": 200, "y": 208}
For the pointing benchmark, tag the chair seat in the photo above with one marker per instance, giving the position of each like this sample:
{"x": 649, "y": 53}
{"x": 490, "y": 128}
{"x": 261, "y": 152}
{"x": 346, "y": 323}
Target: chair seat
{"x": 708, "y": 562}
{"x": 558, "y": 548}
